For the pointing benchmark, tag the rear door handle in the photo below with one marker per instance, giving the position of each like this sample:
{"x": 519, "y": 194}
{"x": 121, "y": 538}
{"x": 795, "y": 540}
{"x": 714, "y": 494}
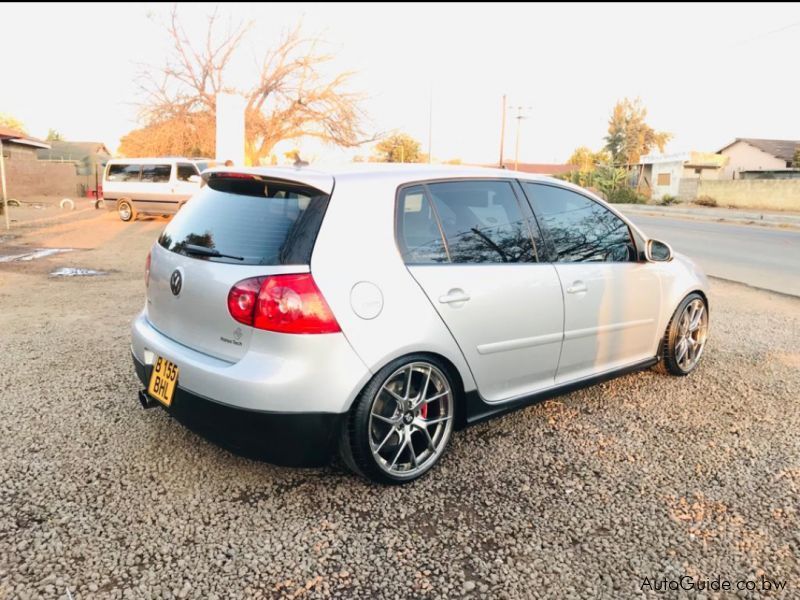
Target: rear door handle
{"x": 454, "y": 296}
{"x": 577, "y": 287}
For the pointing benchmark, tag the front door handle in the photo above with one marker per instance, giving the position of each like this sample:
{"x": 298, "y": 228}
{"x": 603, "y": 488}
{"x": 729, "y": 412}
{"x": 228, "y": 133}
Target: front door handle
{"x": 454, "y": 296}
{"x": 577, "y": 287}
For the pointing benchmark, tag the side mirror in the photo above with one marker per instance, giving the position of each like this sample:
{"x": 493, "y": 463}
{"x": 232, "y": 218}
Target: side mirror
{"x": 194, "y": 179}
{"x": 658, "y": 251}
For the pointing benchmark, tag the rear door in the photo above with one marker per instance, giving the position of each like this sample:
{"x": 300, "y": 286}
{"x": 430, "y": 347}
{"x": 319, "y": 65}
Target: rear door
{"x": 470, "y": 245}
{"x": 121, "y": 180}
{"x": 611, "y": 301}
{"x": 265, "y": 226}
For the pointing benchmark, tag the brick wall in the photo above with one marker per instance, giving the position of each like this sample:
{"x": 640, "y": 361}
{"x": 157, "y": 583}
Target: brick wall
{"x": 26, "y": 178}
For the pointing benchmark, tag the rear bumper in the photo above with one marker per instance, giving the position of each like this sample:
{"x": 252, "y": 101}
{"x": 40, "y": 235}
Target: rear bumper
{"x": 288, "y": 439}
{"x": 315, "y": 374}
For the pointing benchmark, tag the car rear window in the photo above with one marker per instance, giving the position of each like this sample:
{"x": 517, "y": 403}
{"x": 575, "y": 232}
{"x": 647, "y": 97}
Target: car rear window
{"x": 261, "y": 222}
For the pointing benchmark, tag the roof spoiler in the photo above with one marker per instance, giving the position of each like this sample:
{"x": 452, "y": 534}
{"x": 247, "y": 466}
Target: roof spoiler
{"x": 321, "y": 182}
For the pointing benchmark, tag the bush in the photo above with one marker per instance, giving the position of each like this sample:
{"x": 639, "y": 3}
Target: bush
{"x": 667, "y": 200}
{"x": 626, "y": 195}
{"x": 705, "y": 201}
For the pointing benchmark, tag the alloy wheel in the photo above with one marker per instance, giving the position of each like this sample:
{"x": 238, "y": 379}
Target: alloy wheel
{"x": 410, "y": 420}
{"x": 692, "y": 333}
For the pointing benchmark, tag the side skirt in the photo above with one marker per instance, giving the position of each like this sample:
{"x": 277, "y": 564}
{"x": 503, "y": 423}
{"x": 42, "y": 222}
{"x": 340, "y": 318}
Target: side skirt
{"x": 478, "y": 410}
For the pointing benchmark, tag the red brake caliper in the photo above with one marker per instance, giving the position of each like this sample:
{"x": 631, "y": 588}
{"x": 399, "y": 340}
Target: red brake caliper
{"x": 423, "y": 411}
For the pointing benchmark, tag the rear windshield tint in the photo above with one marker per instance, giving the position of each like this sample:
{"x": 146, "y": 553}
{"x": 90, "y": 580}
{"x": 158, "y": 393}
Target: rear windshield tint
{"x": 262, "y": 222}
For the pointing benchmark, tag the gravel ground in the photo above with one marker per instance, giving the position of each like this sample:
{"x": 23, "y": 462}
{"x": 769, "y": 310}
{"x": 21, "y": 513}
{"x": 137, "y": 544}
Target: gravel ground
{"x": 581, "y": 497}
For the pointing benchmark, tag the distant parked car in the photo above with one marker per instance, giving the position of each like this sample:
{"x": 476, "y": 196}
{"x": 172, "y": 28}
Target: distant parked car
{"x": 156, "y": 186}
{"x": 374, "y": 311}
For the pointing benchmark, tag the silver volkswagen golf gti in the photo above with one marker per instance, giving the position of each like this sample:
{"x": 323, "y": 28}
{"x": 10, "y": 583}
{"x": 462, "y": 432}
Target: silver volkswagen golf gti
{"x": 293, "y": 314}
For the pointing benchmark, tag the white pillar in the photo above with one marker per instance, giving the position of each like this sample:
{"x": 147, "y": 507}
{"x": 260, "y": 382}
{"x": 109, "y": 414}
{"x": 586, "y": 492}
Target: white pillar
{"x": 230, "y": 129}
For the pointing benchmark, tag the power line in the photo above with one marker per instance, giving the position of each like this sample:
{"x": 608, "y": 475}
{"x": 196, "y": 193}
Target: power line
{"x": 765, "y": 34}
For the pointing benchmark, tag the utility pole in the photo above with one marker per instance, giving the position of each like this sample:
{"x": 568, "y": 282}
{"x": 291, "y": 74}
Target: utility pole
{"x": 503, "y": 132}
{"x": 519, "y": 118}
{"x": 3, "y": 180}
{"x": 430, "y": 128}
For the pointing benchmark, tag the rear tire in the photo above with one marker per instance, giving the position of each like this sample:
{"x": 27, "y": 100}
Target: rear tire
{"x": 685, "y": 338}
{"x": 126, "y": 211}
{"x": 400, "y": 424}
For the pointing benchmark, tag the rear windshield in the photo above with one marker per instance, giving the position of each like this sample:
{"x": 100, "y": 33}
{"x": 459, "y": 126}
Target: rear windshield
{"x": 264, "y": 222}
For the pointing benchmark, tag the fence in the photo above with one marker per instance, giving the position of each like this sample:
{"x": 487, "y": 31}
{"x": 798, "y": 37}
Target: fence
{"x": 38, "y": 178}
{"x": 768, "y": 194}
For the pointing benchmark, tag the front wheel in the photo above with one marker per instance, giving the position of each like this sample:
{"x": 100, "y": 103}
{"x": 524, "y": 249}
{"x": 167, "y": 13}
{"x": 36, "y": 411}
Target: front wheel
{"x": 685, "y": 338}
{"x": 400, "y": 424}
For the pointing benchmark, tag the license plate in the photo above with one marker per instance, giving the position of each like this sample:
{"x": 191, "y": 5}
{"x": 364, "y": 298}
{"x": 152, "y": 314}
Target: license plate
{"x": 163, "y": 380}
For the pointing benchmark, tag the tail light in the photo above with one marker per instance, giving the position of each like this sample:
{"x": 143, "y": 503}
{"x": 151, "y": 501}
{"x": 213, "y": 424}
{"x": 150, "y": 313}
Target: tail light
{"x": 147, "y": 271}
{"x": 282, "y": 303}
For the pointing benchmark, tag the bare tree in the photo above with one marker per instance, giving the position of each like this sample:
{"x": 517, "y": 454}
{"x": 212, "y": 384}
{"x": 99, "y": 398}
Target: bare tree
{"x": 291, "y": 96}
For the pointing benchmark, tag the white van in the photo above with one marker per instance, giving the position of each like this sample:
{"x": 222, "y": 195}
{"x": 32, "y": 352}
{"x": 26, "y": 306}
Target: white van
{"x": 150, "y": 185}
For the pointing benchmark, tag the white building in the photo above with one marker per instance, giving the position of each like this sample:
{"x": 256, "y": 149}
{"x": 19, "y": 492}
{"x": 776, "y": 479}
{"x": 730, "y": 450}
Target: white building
{"x": 678, "y": 174}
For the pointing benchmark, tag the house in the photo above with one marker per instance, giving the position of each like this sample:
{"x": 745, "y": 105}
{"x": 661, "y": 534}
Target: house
{"x": 753, "y": 155}
{"x": 85, "y": 155}
{"x": 20, "y": 146}
{"x": 678, "y": 175}
{"x": 27, "y": 177}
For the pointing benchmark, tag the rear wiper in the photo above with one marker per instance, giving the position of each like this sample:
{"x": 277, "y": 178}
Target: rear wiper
{"x": 203, "y": 251}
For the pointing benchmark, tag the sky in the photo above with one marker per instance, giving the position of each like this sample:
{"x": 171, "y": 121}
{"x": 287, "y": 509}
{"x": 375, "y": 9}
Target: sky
{"x": 707, "y": 73}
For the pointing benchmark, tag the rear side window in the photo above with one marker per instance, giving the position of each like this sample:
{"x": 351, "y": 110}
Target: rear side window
{"x": 418, "y": 229}
{"x": 261, "y": 222}
{"x": 123, "y": 172}
{"x": 579, "y": 229}
{"x": 156, "y": 173}
{"x": 482, "y": 222}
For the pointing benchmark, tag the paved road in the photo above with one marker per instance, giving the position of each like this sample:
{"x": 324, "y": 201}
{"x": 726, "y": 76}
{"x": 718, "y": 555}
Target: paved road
{"x": 763, "y": 257}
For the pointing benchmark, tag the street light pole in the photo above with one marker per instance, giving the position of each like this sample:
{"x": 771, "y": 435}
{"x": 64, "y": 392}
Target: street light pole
{"x": 519, "y": 118}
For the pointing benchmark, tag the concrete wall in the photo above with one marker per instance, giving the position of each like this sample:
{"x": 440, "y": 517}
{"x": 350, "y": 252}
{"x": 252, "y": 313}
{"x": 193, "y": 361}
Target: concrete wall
{"x": 768, "y": 194}
{"x": 26, "y": 178}
{"x": 744, "y": 157}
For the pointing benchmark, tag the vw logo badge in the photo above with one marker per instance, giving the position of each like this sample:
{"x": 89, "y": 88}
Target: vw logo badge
{"x": 176, "y": 282}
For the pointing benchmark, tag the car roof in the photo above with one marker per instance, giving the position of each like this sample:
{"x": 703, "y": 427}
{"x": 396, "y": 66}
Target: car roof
{"x": 392, "y": 173}
{"x": 152, "y": 160}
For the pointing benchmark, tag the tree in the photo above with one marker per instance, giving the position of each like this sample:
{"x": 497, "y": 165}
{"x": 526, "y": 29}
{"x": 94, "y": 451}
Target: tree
{"x": 586, "y": 160}
{"x": 399, "y": 147}
{"x": 290, "y": 97}
{"x": 796, "y": 161}
{"x": 192, "y": 136}
{"x": 54, "y": 136}
{"x": 7, "y": 120}
{"x": 629, "y": 136}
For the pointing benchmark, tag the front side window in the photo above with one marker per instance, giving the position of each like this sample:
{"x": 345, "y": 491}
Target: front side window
{"x": 482, "y": 222}
{"x": 124, "y": 172}
{"x": 156, "y": 173}
{"x": 579, "y": 229}
{"x": 185, "y": 171}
